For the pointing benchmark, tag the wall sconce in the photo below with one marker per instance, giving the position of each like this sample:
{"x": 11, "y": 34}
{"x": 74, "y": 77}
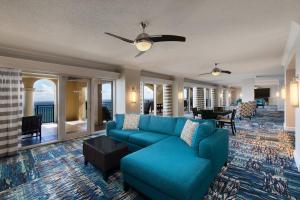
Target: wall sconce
{"x": 277, "y": 94}
{"x": 229, "y": 95}
{"x": 241, "y": 95}
{"x": 294, "y": 93}
{"x": 133, "y": 95}
{"x": 283, "y": 93}
{"x": 180, "y": 95}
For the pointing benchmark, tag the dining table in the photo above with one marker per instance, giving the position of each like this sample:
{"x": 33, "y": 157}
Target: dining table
{"x": 211, "y": 114}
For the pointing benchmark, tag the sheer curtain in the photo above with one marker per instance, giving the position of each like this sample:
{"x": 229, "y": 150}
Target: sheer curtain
{"x": 10, "y": 110}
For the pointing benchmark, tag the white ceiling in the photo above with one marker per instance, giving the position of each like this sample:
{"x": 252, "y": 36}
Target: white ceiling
{"x": 246, "y": 36}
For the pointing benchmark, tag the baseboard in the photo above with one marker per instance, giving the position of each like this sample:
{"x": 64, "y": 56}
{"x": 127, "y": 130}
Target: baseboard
{"x": 288, "y": 128}
{"x": 297, "y": 160}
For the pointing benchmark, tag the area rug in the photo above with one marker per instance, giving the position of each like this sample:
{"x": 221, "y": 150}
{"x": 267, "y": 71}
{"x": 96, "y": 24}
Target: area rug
{"x": 261, "y": 166}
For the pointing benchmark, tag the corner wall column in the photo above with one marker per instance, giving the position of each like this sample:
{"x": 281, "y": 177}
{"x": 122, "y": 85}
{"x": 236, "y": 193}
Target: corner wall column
{"x": 28, "y": 101}
{"x": 178, "y": 100}
{"x": 248, "y": 89}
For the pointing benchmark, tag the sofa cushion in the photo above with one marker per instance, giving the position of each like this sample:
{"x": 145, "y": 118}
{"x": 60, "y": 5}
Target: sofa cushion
{"x": 144, "y": 138}
{"x": 131, "y": 122}
{"x": 121, "y": 134}
{"x": 189, "y": 131}
{"x": 162, "y": 124}
{"x": 144, "y": 122}
{"x": 119, "y": 121}
{"x": 170, "y": 166}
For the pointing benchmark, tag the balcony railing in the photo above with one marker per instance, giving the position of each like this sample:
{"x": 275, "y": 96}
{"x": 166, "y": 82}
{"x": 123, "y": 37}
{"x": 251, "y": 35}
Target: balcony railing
{"x": 47, "y": 112}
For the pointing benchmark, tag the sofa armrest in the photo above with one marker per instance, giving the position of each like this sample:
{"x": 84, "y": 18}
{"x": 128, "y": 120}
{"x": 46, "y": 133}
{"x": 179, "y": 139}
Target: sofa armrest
{"x": 109, "y": 126}
{"x": 215, "y": 148}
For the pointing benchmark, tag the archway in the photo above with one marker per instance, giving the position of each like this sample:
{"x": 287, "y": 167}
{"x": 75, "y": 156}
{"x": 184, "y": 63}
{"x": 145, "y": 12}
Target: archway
{"x": 45, "y": 99}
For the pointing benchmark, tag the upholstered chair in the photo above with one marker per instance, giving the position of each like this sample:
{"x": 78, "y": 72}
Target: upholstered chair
{"x": 246, "y": 110}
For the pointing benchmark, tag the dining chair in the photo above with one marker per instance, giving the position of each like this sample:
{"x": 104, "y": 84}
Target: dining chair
{"x": 229, "y": 122}
{"x": 195, "y": 112}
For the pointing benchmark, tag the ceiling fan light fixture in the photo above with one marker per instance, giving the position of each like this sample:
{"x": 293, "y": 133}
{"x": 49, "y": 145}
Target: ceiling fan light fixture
{"x": 143, "y": 45}
{"x": 215, "y": 73}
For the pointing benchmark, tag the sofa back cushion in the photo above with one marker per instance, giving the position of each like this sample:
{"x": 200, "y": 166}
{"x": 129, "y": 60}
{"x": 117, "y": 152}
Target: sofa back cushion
{"x": 119, "y": 121}
{"x": 164, "y": 125}
{"x": 144, "y": 122}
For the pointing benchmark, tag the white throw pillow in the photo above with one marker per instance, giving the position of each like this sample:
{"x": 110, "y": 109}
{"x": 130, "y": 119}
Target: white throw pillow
{"x": 131, "y": 122}
{"x": 188, "y": 131}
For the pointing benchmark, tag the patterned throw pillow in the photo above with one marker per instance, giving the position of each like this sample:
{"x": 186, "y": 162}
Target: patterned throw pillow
{"x": 188, "y": 131}
{"x": 131, "y": 122}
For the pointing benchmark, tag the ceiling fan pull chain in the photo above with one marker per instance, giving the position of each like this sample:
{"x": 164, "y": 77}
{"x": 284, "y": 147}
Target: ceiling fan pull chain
{"x": 143, "y": 25}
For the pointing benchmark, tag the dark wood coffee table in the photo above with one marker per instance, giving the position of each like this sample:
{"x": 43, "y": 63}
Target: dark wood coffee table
{"x": 104, "y": 153}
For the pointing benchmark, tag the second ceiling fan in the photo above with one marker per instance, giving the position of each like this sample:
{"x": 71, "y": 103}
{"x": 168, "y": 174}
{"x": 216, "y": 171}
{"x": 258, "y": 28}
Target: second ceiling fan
{"x": 216, "y": 71}
{"x": 143, "y": 42}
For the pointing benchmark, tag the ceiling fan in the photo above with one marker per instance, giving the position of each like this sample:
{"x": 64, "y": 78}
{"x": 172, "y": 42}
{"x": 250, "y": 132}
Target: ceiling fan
{"x": 143, "y": 42}
{"x": 216, "y": 71}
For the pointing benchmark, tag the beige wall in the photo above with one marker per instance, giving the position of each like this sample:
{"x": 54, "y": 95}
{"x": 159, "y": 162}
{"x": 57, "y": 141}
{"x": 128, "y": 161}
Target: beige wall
{"x": 75, "y": 100}
{"x": 235, "y": 94}
{"x": 289, "y": 117}
{"x": 130, "y": 79}
{"x": 178, "y": 103}
{"x": 247, "y": 86}
{"x": 159, "y": 94}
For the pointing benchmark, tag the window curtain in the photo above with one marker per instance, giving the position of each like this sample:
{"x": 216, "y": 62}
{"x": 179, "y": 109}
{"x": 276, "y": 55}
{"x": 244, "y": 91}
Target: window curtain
{"x": 10, "y": 110}
{"x": 167, "y": 100}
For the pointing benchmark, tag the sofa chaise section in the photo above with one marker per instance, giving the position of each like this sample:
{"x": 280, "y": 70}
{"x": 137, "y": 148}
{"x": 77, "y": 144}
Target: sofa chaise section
{"x": 169, "y": 167}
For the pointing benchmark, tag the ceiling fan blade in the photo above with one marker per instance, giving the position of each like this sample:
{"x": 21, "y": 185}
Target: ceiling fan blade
{"x": 140, "y": 53}
{"x": 225, "y": 71}
{"x": 204, "y": 74}
{"x": 119, "y": 37}
{"x": 167, "y": 38}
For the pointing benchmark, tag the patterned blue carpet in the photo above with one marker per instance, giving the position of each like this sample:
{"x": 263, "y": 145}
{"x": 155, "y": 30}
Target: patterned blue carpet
{"x": 261, "y": 166}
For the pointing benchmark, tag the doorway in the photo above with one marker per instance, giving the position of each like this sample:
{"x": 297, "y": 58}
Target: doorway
{"x": 104, "y": 104}
{"x": 39, "y": 105}
{"x": 77, "y": 106}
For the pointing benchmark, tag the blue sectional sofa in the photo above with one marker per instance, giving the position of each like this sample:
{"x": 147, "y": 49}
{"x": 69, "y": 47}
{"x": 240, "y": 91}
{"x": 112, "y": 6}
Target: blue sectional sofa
{"x": 161, "y": 165}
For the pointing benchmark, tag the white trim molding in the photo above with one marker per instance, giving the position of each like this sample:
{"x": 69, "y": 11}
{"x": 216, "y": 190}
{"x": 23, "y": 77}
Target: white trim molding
{"x": 157, "y": 81}
{"x": 288, "y": 128}
{"x": 297, "y": 160}
{"x": 58, "y": 69}
{"x": 200, "y": 85}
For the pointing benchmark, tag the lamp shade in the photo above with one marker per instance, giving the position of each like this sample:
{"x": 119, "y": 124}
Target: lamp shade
{"x": 294, "y": 93}
{"x": 180, "y": 95}
{"x": 143, "y": 45}
{"x": 133, "y": 96}
{"x": 215, "y": 73}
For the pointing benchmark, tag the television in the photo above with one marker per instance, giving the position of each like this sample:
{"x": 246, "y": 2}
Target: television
{"x": 262, "y": 93}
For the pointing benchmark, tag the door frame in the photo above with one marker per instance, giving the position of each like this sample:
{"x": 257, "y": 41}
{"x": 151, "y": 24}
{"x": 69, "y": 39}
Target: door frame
{"x": 63, "y": 135}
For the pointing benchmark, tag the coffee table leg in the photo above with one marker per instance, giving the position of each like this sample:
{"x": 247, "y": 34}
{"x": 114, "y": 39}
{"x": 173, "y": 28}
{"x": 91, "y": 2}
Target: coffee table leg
{"x": 125, "y": 186}
{"x": 105, "y": 175}
{"x": 85, "y": 161}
